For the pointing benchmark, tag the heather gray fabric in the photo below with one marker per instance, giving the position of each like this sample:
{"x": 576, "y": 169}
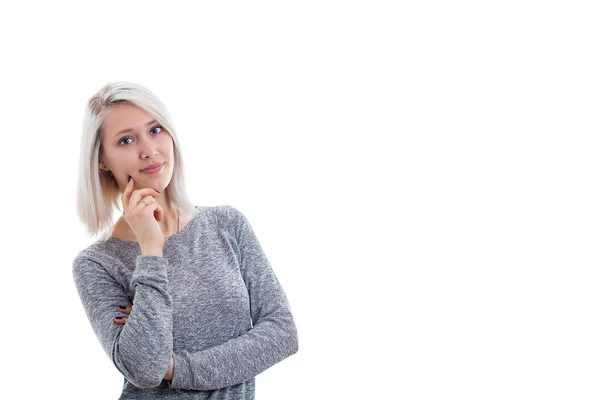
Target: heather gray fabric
{"x": 212, "y": 300}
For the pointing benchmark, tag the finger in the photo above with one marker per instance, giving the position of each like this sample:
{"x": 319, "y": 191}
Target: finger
{"x": 126, "y": 198}
{"x": 124, "y": 310}
{"x": 136, "y": 204}
{"x": 152, "y": 208}
{"x": 127, "y": 192}
{"x": 137, "y": 195}
{"x": 147, "y": 202}
{"x": 158, "y": 212}
{"x": 120, "y": 320}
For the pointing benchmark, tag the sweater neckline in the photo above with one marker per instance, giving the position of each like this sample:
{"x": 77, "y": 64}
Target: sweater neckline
{"x": 177, "y": 234}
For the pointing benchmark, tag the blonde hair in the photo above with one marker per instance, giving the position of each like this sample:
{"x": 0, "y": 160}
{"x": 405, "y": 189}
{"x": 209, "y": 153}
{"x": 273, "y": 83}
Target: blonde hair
{"x": 98, "y": 194}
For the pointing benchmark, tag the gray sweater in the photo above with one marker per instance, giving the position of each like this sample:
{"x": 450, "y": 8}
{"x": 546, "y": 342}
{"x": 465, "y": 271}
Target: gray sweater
{"x": 212, "y": 301}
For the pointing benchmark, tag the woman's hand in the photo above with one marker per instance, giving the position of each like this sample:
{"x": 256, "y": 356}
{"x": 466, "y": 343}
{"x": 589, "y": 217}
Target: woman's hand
{"x": 125, "y": 310}
{"x": 142, "y": 213}
{"x": 122, "y": 320}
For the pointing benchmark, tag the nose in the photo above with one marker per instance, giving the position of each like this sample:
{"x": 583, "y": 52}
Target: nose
{"x": 147, "y": 148}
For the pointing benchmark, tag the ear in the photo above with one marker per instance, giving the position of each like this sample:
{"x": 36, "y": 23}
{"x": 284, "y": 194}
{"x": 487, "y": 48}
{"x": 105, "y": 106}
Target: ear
{"x": 101, "y": 163}
{"x": 104, "y": 168}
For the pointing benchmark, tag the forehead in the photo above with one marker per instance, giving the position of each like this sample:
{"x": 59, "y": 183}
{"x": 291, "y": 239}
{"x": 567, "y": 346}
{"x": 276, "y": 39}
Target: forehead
{"x": 125, "y": 116}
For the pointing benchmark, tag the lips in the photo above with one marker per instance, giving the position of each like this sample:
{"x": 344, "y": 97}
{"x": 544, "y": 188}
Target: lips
{"x": 151, "y": 167}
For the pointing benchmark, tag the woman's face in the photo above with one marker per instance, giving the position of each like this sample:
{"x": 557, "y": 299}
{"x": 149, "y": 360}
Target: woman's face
{"x": 144, "y": 143}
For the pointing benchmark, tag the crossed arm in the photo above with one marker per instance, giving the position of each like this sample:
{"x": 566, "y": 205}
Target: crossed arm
{"x": 122, "y": 320}
{"x": 141, "y": 347}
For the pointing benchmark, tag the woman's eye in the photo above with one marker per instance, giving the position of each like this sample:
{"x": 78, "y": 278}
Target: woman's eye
{"x": 151, "y": 130}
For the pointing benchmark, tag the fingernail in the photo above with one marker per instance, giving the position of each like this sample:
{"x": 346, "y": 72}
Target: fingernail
{"x": 119, "y": 317}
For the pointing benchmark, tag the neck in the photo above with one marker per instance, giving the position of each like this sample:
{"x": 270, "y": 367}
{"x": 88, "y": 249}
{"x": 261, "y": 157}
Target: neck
{"x": 170, "y": 221}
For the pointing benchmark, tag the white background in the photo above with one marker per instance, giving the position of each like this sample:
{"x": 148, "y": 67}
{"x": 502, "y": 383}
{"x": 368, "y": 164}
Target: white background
{"x": 422, "y": 175}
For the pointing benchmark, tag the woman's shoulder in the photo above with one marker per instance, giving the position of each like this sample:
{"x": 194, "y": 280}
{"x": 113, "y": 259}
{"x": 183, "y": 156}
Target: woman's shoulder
{"x": 222, "y": 211}
{"x": 100, "y": 250}
{"x": 223, "y": 217}
{"x": 96, "y": 255}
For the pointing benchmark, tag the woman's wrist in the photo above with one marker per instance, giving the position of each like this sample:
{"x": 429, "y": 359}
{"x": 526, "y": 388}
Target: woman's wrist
{"x": 152, "y": 251}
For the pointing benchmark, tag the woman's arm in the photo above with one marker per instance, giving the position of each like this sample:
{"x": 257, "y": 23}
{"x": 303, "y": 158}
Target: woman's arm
{"x": 272, "y": 338}
{"x": 141, "y": 348}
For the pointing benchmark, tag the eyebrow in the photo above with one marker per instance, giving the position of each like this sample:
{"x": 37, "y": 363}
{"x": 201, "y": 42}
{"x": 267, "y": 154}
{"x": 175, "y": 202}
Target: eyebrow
{"x": 131, "y": 129}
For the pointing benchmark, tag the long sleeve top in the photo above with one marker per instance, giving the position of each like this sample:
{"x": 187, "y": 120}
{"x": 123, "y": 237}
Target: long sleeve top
{"x": 212, "y": 301}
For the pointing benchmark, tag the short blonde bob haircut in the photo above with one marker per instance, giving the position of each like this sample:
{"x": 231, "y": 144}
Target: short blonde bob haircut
{"x": 98, "y": 194}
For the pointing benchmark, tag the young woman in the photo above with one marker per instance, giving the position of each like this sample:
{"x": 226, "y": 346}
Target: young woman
{"x": 182, "y": 298}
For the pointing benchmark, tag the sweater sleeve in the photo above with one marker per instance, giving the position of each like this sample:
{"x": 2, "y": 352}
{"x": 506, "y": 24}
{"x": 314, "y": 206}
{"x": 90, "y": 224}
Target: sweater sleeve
{"x": 140, "y": 349}
{"x": 273, "y": 335}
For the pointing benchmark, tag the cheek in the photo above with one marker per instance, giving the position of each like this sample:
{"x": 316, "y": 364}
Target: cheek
{"x": 170, "y": 145}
